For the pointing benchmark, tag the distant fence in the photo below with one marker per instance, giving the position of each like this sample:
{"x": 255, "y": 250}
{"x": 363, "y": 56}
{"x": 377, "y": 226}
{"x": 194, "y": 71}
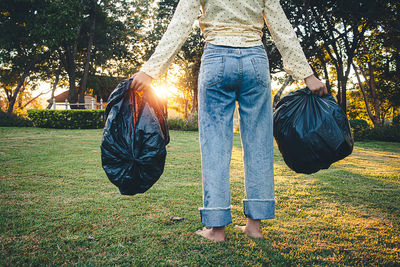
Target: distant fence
{"x": 67, "y": 105}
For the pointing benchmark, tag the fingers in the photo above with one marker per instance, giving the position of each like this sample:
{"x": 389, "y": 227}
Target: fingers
{"x": 325, "y": 90}
{"x": 132, "y": 86}
{"x": 138, "y": 85}
{"x": 320, "y": 91}
{"x": 316, "y": 91}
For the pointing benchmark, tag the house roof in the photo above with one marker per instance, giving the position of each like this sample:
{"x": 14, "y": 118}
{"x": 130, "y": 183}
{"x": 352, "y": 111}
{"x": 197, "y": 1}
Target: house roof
{"x": 60, "y": 97}
{"x": 64, "y": 96}
{"x": 102, "y": 87}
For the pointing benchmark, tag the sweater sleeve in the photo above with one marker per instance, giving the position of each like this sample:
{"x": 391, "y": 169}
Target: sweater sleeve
{"x": 175, "y": 36}
{"x": 285, "y": 38}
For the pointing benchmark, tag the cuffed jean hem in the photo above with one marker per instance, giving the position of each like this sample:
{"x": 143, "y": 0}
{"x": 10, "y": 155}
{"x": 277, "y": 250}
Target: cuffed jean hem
{"x": 259, "y": 209}
{"x": 215, "y": 217}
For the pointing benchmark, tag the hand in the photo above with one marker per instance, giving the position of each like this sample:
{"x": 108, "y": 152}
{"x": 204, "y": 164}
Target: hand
{"x": 141, "y": 81}
{"x": 316, "y": 86}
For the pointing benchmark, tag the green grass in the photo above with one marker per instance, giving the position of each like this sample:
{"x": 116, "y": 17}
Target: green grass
{"x": 58, "y": 207}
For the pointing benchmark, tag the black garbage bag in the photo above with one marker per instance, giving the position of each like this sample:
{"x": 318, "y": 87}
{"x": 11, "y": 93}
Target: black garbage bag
{"x": 135, "y": 135}
{"x": 312, "y": 132}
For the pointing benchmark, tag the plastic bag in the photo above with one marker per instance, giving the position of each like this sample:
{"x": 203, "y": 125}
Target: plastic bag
{"x": 312, "y": 132}
{"x": 135, "y": 135}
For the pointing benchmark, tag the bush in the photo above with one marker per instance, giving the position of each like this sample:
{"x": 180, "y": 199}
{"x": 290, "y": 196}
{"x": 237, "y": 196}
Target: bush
{"x": 396, "y": 121}
{"x": 359, "y": 128}
{"x": 385, "y": 133}
{"x": 176, "y": 124}
{"x": 67, "y": 119}
{"x": 359, "y": 124}
{"x": 13, "y": 120}
{"x": 191, "y": 124}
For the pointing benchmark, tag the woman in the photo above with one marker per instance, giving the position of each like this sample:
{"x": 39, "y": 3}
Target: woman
{"x": 234, "y": 67}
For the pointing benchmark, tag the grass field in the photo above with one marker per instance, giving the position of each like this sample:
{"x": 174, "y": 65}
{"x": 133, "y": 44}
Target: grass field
{"x": 58, "y": 208}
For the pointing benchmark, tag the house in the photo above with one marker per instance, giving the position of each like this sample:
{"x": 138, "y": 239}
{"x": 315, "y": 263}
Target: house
{"x": 100, "y": 87}
{"x": 61, "y": 102}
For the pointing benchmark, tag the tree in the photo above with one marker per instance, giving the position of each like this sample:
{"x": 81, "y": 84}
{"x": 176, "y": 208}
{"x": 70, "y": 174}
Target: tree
{"x": 330, "y": 33}
{"x": 189, "y": 55}
{"x": 380, "y": 71}
{"x": 24, "y": 36}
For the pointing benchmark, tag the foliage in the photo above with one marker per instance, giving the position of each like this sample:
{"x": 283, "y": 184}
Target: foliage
{"x": 359, "y": 127}
{"x": 24, "y": 42}
{"x": 188, "y": 58}
{"x": 381, "y": 73}
{"x": 359, "y": 124}
{"x": 384, "y": 133}
{"x": 38, "y": 39}
{"x": 58, "y": 208}
{"x": 363, "y": 131}
{"x": 396, "y": 121}
{"x": 176, "y": 124}
{"x": 7, "y": 119}
{"x": 356, "y": 106}
{"x": 67, "y": 119}
{"x": 191, "y": 124}
{"x": 331, "y": 35}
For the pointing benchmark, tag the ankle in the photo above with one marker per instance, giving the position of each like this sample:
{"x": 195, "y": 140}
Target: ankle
{"x": 253, "y": 224}
{"x": 218, "y": 230}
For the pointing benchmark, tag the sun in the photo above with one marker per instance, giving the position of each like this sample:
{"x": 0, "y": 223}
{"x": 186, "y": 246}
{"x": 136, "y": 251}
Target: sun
{"x": 164, "y": 90}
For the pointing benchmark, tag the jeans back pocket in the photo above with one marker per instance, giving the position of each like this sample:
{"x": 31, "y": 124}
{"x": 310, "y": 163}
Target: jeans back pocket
{"x": 211, "y": 70}
{"x": 261, "y": 68}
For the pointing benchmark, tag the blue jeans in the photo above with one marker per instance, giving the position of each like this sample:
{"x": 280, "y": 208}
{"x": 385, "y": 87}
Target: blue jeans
{"x": 230, "y": 74}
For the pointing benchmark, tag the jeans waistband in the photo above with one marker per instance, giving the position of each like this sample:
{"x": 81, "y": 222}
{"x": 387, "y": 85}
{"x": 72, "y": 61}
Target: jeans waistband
{"x": 211, "y": 48}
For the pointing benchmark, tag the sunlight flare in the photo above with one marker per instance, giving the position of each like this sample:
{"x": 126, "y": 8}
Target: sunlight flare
{"x": 164, "y": 90}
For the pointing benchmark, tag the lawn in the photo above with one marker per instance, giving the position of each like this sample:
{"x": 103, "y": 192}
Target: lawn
{"x": 58, "y": 207}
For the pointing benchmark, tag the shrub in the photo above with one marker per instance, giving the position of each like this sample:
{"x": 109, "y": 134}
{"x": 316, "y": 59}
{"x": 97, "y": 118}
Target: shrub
{"x": 385, "y": 133}
{"x": 67, "y": 119}
{"x": 176, "y": 124}
{"x": 359, "y": 128}
{"x": 13, "y": 120}
{"x": 396, "y": 121}
{"x": 359, "y": 124}
{"x": 191, "y": 124}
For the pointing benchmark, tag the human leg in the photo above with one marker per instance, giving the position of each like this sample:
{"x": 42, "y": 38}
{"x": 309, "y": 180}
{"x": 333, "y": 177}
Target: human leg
{"x": 216, "y": 108}
{"x": 255, "y": 109}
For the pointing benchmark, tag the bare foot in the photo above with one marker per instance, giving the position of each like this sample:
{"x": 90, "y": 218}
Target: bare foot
{"x": 216, "y": 234}
{"x": 252, "y": 228}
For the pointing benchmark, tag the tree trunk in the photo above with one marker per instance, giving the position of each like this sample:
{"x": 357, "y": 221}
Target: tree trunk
{"x": 20, "y": 96}
{"x": 194, "y": 100}
{"x": 70, "y": 68}
{"x": 14, "y": 95}
{"x": 376, "y": 118}
{"x": 186, "y": 114}
{"x": 70, "y": 54}
{"x": 30, "y": 101}
{"x": 54, "y": 88}
{"x": 195, "y": 75}
{"x": 277, "y": 97}
{"x": 372, "y": 86}
{"x": 367, "y": 107}
{"x": 326, "y": 73}
{"x": 83, "y": 85}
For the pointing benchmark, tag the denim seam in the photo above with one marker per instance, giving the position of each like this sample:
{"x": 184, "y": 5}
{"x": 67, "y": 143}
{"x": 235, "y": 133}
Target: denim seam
{"x": 259, "y": 200}
{"x": 230, "y": 207}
